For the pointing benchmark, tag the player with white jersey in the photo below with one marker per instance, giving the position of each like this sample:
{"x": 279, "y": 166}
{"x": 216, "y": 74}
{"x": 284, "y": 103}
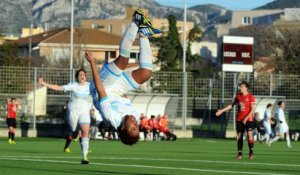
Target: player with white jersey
{"x": 283, "y": 126}
{"x": 112, "y": 82}
{"x": 78, "y": 109}
{"x": 267, "y": 123}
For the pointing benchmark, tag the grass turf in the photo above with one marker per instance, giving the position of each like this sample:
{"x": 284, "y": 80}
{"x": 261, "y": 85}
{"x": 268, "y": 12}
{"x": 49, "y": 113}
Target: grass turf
{"x": 44, "y": 156}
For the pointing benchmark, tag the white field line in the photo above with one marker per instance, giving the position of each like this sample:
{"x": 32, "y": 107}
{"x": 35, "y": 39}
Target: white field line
{"x": 140, "y": 166}
{"x": 155, "y": 159}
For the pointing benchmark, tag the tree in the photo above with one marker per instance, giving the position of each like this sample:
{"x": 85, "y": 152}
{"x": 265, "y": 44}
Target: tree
{"x": 170, "y": 52}
{"x": 278, "y": 42}
{"x": 194, "y": 34}
{"x": 9, "y": 56}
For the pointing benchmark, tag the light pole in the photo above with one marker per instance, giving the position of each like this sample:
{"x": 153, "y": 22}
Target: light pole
{"x": 184, "y": 90}
{"x": 71, "y": 40}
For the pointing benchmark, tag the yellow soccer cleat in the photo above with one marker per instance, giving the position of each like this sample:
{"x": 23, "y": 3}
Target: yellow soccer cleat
{"x": 67, "y": 150}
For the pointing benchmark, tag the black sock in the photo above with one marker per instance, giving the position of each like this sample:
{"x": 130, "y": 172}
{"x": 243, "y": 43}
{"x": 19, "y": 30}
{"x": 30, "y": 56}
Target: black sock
{"x": 240, "y": 146}
{"x": 68, "y": 141}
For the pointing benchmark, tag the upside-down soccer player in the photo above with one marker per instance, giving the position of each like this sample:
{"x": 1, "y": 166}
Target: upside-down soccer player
{"x": 112, "y": 83}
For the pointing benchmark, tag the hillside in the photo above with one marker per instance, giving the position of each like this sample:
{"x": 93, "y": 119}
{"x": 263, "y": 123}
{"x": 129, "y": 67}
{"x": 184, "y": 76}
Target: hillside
{"x": 56, "y": 13}
{"x": 281, "y": 4}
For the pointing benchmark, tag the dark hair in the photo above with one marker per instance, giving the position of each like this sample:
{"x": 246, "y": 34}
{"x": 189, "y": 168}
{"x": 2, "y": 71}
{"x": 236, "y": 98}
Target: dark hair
{"x": 77, "y": 73}
{"x": 125, "y": 136}
{"x": 279, "y": 103}
{"x": 12, "y": 99}
{"x": 246, "y": 84}
{"x": 269, "y": 105}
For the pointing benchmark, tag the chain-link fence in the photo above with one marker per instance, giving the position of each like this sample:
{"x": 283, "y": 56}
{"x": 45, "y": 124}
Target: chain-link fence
{"x": 20, "y": 81}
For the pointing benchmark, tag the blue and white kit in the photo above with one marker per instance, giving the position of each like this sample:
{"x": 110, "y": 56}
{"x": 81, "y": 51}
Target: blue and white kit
{"x": 116, "y": 83}
{"x": 79, "y": 105}
{"x": 266, "y": 121}
{"x": 283, "y": 127}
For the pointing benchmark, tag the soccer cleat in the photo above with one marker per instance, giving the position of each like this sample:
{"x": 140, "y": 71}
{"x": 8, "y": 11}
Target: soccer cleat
{"x": 145, "y": 31}
{"x": 9, "y": 141}
{"x": 85, "y": 161}
{"x": 239, "y": 157}
{"x": 139, "y": 18}
{"x": 67, "y": 150}
{"x": 13, "y": 142}
{"x": 251, "y": 156}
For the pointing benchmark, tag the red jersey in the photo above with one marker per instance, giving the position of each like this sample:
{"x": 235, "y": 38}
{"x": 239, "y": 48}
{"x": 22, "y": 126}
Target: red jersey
{"x": 244, "y": 106}
{"x": 11, "y": 110}
{"x": 152, "y": 123}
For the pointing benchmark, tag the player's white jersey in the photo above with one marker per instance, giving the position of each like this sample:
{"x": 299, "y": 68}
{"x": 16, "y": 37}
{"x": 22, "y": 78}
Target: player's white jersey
{"x": 267, "y": 115}
{"x": 283, "y": 127}
{"x": 113, "y": 109}
{"x": 266, "y": 123}
{"x": 80, "y": 95}
{"x": 280, "y": 115}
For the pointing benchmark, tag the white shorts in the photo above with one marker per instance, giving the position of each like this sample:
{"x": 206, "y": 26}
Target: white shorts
{"x": 283, "y": 128}
{"x": 267, "y": 127}
{"x": 78, "y": 117}
{"x": 114, "y": 81}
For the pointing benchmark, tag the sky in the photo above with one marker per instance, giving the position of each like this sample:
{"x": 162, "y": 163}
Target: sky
{"x": 229, "y": 4}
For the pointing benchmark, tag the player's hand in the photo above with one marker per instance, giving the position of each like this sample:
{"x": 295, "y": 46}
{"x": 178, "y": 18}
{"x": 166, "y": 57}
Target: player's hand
{"x": 41, "y": 81}
{"x": 218, "y": 113}
{"x": 244, "y": 121}
{"x": 88, "y": 56}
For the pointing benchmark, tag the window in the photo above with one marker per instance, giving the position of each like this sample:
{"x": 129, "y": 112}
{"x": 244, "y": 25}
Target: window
{"x": 110, "y": 54}
{"x": 110, "y": 28}
{"x": 134, "y": 55}
{"x": 246, "y": 20}
{"x": 96, "y": 26}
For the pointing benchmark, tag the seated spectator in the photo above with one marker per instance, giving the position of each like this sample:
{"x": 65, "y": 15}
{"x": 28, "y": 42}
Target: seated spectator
{"x": 153, "y": 126}
{"x": 144, "y": 127}
{"x": 163, "y": 127}
{"x": 258, "y": 126}
{"x": 93, "y": 128}
{"x": 104, "y": 128}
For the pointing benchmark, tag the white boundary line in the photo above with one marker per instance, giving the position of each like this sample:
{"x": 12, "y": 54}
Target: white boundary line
{"x": 142, "y": 166}
{"x": 41, "y": 159}
{"x": 154, "y": 159}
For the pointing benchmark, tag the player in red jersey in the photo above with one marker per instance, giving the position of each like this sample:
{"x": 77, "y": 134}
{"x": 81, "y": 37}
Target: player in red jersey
{"x": 12, "y": 106}
{"x": 244, "y": 119}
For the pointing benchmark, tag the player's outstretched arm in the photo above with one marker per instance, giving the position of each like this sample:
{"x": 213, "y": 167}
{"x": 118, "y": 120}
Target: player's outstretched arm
{"x": 97, "y": 79}
{"x": 50, "y": 86}
{"x": 220, "y": 111}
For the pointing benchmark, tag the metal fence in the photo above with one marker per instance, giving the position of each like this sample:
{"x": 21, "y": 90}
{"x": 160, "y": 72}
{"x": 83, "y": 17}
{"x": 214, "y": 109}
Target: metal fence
{"x": 19, "y": 81}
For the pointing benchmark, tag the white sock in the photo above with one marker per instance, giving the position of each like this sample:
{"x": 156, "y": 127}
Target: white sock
{"x": 267, "y": 137}
{"x": 128, "y": 39}
{"x": 85, "y": 146}
{"x": 288, "y": 140}
{"x": 274, "y": 139}
{"x": 145, "y": 59}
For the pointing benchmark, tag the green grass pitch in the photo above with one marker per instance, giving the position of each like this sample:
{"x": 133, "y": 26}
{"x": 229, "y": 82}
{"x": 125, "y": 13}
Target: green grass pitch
{"x": 44, "y": 156}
